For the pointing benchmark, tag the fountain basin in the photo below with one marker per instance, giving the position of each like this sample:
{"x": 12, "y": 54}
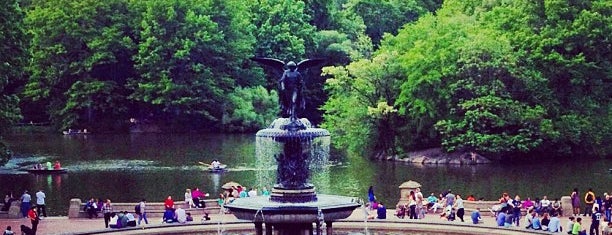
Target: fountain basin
{"x": 262, "y": 209}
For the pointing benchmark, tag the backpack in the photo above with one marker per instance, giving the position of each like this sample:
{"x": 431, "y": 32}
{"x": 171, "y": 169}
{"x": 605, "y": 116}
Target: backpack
{"x": 137, "y": 209}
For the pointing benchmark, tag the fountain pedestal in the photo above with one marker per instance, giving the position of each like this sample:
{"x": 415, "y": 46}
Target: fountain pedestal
{"x": 293, "y": 207}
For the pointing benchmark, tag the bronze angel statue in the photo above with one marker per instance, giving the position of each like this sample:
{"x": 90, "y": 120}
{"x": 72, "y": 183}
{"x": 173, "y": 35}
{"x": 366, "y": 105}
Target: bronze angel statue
{"x": 290, "y": 84}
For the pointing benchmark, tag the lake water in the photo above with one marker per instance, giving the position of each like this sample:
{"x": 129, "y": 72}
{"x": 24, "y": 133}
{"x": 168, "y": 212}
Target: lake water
{"x": 128, "y": 167}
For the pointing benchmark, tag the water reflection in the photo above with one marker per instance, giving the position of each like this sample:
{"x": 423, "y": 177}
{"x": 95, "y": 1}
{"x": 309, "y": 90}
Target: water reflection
{"x": 128, "y": 167}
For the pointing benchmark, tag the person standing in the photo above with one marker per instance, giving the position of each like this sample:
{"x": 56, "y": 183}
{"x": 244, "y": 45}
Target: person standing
{"x": 143, "y": 212}
{"x": 371, "y": 197}
{"x": 596, "y": 221}
{"x": 575, "y": 202}
{"x": 608, "y": 207}
{"x": 460, "y": 207}
{"x": 516, "y": 210}
{"x": 589, "y": 200}
{"x": 34, "y": 219}
{"x": 107, "y": 209}
{"x": 25, "y": 203}
{"x": 40, "y": 203}
{"x": 419, "y": 203}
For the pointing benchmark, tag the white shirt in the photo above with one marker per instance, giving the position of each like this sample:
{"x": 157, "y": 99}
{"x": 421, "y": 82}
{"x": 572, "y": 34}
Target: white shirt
{"x": 40, "y": 198}
{"x": 252, "y": 193}
{"x": 181, "y": 216}
{"x": 26, "y": 197}
{"x": 545, "y": 203}
{"x": 113, "y": 220}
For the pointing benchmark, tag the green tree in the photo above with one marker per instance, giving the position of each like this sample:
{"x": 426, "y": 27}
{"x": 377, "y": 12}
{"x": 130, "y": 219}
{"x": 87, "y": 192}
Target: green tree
{"x": 188, "y": 56}
{"x": 386, "y": 16}
{"x": 568, "y": 43}
{"x": 72, "y": 41}
{"x": 363, "y": 92}
{"x": 250, "y": 109}
{"x": 12, "y": 47}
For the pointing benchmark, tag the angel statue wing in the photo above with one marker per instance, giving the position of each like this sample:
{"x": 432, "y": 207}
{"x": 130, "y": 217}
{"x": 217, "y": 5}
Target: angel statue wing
{"x": 308, "y": 63}
{"x": 276, "y": 64}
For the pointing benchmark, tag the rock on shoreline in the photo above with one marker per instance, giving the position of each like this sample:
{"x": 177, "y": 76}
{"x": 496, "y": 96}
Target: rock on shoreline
{"x": 437, "y": 156}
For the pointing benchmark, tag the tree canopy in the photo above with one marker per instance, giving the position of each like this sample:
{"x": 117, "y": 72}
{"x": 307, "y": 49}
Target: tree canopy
{"x": 507, "y": 79}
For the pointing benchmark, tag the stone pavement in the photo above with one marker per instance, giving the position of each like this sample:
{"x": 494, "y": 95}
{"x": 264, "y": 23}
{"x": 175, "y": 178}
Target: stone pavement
{"x": 63, "y": 225}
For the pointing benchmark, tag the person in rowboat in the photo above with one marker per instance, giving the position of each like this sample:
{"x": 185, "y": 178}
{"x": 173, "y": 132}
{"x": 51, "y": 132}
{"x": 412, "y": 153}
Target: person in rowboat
{"x": 216, "y": 164}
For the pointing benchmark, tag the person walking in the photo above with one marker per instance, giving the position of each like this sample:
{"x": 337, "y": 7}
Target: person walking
{"x": 25, "y": 203}
{"x": 34, "y": 219}
{"x": 107, "y": 209}
{"x": 143, "y": 212}
{"x": 40, "y": 203}
{"x": 589, "y": 200}
{"x": 460, "y": 207}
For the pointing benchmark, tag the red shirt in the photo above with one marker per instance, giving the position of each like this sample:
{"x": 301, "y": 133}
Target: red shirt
{"x": 32, "y": 214}
{"x": 169, "y": 203}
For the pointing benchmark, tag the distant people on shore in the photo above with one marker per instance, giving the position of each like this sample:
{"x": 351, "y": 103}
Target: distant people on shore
{"x": 91, "y": 207}
{"x": 169, "y": 216}
{"x": 40, "y": 203}
{"x": 107, "y": 210}
{"x": 189, "y": 199}
{"x": 169, "y": 203}
{"x": 371, "y": 196}
{"x": 8, "y": 231}
{"x": 8, "y": 199}
{"x": 589, "y": 200}
{"x": 25, "y": 203}
{"x": 181, "y": 215}
{"x": 476, "y": 218}
{"x": 34, "y": 219}
{"x": 575, "y": 196}
{"x": 143, "y": 211}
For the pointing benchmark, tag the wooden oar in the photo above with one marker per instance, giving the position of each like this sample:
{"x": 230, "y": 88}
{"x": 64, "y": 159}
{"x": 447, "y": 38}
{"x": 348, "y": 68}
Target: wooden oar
{"x": 205, "y": 164}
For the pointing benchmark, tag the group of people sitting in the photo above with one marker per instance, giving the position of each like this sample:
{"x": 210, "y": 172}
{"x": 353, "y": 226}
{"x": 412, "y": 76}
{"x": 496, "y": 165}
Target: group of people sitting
{"x": 539, "y": 206}
{"x": 178, "y": 215}
{"x": 122, "y": 219}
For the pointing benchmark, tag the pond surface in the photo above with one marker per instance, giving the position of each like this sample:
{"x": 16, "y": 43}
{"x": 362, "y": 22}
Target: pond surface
{"x": 128, "y": 167}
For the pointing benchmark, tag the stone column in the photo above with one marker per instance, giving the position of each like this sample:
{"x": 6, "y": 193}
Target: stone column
{"x": 14, "y": 211}
{"x": 566, "y": 205}
{"x": 75, "y": 207}
{"x": 405, "y": 189}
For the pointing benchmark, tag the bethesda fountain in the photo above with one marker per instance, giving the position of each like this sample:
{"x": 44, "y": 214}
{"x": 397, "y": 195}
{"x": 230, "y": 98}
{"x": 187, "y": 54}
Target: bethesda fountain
{"x": 293, "y": 207}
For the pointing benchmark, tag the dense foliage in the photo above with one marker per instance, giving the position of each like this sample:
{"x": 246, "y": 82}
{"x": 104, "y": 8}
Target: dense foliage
{"x": 12, "y": 48}
{"x": 503, "y": 78}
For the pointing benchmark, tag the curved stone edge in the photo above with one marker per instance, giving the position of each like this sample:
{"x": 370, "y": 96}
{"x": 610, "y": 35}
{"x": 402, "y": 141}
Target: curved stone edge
{"x": 413, "y": 226}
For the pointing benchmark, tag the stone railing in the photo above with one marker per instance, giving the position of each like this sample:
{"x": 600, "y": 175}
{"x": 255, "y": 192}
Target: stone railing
{"x": 153, "y": 209}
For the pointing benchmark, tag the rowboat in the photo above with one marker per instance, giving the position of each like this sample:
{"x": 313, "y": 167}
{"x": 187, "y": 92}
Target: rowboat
{"x": 77, "y": 132}
{"x": 221, "y": 168}
{"x": 47, "y": 171}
